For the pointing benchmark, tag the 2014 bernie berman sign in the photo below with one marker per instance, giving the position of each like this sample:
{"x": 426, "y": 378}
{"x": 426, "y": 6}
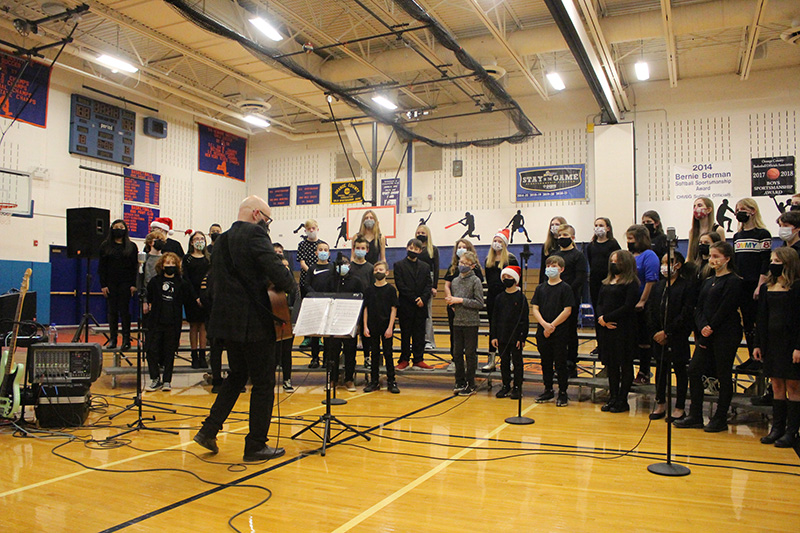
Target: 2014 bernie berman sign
{"x": 561, "y": 182}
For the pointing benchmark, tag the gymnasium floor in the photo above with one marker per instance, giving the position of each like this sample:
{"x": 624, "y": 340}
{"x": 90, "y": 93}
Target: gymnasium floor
{"x": 434, "y": 463}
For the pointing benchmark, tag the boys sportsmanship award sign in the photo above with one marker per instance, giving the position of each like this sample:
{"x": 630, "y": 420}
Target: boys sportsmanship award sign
{"x": 561, "y": 182}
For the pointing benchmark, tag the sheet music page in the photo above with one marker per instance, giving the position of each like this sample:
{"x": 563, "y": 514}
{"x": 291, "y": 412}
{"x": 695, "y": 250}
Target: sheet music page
{"x": 312, "y": 317}
{"x": 343, "y": 319}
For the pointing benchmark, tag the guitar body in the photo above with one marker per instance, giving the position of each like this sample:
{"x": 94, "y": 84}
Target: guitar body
{"x": 9, "y": 389}
{"x": 280, "y": 308}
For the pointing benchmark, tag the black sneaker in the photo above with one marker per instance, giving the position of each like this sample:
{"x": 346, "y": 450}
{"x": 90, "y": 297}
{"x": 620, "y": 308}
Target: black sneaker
{"x": 620, "y": 407}
{"x": 562, "y": 400}
{"x": 314, "y": 363}
{"x": 608, "y": 405}
{"x": 503, "y": 392}
{"x": 692, "y": 422}
{"x": 372, "y": 387}
{"x": 546, "y": 396}
{"x": 287, "y": 386}
{"x": 716, "y": 425}
{"x": 516, "y": 393}
{"x": 458, "y": 387}
{"x": 469, "y": 390}
{"x": 392, "y": 387}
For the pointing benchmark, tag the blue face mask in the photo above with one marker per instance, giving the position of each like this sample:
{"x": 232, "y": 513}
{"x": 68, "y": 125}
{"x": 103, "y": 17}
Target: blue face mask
{"x": 344, "y": 270}
{"x": 460, "y": 252}
{"x": 323, "y": 256}
{"x": 551, "y": 271}
{"x": 464, "y": 268}
{"x": 361, "y": 254}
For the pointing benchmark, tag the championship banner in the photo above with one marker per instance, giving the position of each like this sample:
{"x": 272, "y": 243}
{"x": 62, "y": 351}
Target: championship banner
{"x": 308, "y": 194}
{"x": 772, "y": 176}
{"x": 279, "y": 196}
{"x": 221, "y": 153}
{"x": 560, "y": 182}
{"x": 141, "y": 187}
{"x": 347, "y": 192}
{"x": 138, "y": 219}
{"x": 32, "y": 87}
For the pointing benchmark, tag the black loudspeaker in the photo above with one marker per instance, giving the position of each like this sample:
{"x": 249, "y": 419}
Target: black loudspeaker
{"x": 87, "y": 227}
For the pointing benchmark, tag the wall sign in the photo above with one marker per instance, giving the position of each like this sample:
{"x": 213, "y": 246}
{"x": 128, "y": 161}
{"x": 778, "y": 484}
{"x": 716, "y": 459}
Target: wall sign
{"x": 390, "y": 192}
{"x": 712, "y": 180}
{"x": 32, "y": 87}
{"x": 138, "y": 219}
{"x": 347, "y": 192}
{"x": 772, "y": 176}
{"x": 559, "y": 182}
{"x": 141, "y": 187}
{"x": 221, "y": 153}
{"x": 308, "y": 194}
{"x": 279, "y": 196}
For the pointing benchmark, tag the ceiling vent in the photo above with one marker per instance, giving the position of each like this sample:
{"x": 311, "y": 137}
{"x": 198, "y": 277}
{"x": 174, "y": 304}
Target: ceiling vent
{"x": 254, "y": 107}
{"x": 792, "y": 35}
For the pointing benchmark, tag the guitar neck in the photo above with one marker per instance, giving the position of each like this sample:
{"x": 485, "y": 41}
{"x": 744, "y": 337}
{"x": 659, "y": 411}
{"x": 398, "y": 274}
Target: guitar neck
{"x": 12, "y": 345}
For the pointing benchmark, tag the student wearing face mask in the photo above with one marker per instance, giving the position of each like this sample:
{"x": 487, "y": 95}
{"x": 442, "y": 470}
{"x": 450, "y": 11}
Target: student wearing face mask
{"x": 718, "y": 331}
{"x": 575, "y": 274}
{"x": 195, "y": 267}
{"x": 498, "y": 258}
{"x": 214, "y": 231}
{"x": 306, "y": 255}
{"x": 380, "y": 312}
{"x": 702, "y": 222}
{"x": 703, "y": 249}
{"x": 430, "y": 255}
{"x": 550, "y": 245}
{"x": 647, "y": 270}
{"x": 343, "y": 281}
{"x": 658, "y": 239}
{"x": 466, "y": 301}
{"x": 508, "y": 332}
{"x": 167, "y": 294}
{"x": 461, "y": 247}
{"x": 752, "y": 245}
{"x": 413, "y": 280}
{"x": 789, "y": 229}
{"x": 319, "y": 275}
{"x": 117, "y": 270}
{"x": 362, "y": 269}
{"x": 597, "y": 253}
{"x": 370, "y": 229}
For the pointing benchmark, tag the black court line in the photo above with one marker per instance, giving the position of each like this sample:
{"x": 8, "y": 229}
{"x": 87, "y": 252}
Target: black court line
{"x": 248, "y": 477}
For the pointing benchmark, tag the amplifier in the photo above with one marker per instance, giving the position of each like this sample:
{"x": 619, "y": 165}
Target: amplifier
{"x": 62, "y": 406}
{"x": 65, "y": 363}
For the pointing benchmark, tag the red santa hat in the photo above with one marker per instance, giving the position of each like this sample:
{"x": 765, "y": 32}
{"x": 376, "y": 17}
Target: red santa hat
{"x": 162, "y": 223}
{"x": 504, "y": 234}
{"x": 513, "y": 271}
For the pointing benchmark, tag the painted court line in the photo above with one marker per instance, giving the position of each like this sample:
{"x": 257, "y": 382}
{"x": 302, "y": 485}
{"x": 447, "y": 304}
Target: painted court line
{"x": 423, "y": 478}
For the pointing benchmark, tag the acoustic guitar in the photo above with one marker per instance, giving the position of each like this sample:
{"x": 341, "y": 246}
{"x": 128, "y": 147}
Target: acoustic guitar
{"x": 280, "y": 310}
{"x": 13, "y": 373}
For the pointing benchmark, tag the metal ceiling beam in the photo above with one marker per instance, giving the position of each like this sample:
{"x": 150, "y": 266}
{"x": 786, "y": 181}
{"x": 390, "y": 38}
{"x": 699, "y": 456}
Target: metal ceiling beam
{"x": 604, "y": 51}
{"x": 749, "y": 52}
{"x": 500, "y": 38}
{"x": 669, "y": 37}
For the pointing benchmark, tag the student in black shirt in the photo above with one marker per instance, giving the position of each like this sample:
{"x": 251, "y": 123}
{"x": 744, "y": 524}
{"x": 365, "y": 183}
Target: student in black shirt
{"x": 342, "y": 281}
{"x": 195, "y": 266}
{"x": 718, "y": 331}
{"x": 553, "y": 302}
{"x": 430, "y": 255}
{"x": 575, "y": 274}
{"x": 117, "y": 269}
{"x": 380, "y": 311}
{"x": 497, "y": 259}
{"x": 789, "y": 229}
{"x": 362, "y": 269}
{"x": 413, "y": 280}
{"x": 597, "y": 253}
{"x": 508, "y": 330}
{"x": 163, "y": 225}
{"x": 658, "y": 239}
{"x": 317, "y": 280}
{"x": 167, "y": 293}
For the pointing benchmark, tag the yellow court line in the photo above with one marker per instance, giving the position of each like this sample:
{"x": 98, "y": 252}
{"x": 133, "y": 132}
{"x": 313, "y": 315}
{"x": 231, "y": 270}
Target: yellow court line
{"x": 422, "y": 479}
{"x": 121, "y": 461}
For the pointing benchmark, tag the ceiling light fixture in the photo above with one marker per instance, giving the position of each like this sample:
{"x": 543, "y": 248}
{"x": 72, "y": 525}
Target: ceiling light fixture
{"x": 116, "y": 64}
{"x": 256, "y": 120}
{"x": 555, "y": 81}
{"x": 642, "y": 70}
{"x": 384, "y": 102}
{"x": 266, "y": 28}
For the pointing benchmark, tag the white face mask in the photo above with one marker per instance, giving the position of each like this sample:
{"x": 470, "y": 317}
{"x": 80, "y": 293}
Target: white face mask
{"x": 600, "y": 231}
{"x": 460, "y": 252}
{"x": 497, "y": 247}
{"x": 369, "y": 223}
{"x": 554, "y": 228}
{"x": 664, "y": 270}
{"x": 312, "y": 234}
{"x": 785, "y": 233}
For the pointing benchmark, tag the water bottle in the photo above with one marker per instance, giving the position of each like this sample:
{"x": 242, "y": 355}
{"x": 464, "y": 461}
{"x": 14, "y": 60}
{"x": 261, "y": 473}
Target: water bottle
{"x": 52, "y": 334}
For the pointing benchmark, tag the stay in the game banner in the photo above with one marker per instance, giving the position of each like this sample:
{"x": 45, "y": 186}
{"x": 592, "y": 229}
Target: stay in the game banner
{"x": 560, "y": 182}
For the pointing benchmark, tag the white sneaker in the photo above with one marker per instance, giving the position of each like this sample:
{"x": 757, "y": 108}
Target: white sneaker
{"x": 351, "y": 387}
{"x": 451, "y": 367}
{"x": 287, "y": 386}
{"x": 155, "y": 384}
{"x": 167, "y": 386}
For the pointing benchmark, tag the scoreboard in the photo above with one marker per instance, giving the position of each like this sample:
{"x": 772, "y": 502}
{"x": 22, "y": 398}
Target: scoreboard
{"x": 101, "y": 130}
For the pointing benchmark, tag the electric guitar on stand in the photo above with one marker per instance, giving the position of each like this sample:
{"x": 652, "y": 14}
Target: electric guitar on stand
{"x": 13, "y": 373}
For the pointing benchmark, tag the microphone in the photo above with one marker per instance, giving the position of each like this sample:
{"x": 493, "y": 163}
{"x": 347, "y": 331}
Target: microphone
{"x": 672, "y": 238}
{"x": 142, "y": 259}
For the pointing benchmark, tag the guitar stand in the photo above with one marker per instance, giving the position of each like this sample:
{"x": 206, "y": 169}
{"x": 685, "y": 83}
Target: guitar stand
{"x": 84, "y": 325}
{"x": 327, "y": 419}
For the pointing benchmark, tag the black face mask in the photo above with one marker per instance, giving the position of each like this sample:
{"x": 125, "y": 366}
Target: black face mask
{"x": 380, "y": 275}
{"x": 742, "y": 216}
{"x": 703, "y": 249}
{"x": 412, "y": 255}
{"x": 118, "y": 233}
{"x": 214, "y": 236}
{"x": 651, "y": 228}
{"x": 158, "y": 244}
{"x": 632, "y": 247}
{"x": 613, "y": 268}
{"x": 422, "y": 238}
{"x": 170, "y": 270}
{"x": 795, "y": 208}
{"x": 564, "y": 242}
{"x": 775, "y": 270}
{"x": 509, "y": 282}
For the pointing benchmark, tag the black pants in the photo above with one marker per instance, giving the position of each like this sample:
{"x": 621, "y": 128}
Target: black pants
{"x": 314, "y": 348}
{"x": 618, "y": 347}
{"x": 572, "y": 337}
{"x": 749, "y": 309}
{"x": 465, "y": 354}
{"x": 333, "y": 347}
{"x": 675, "y": 354}
{"x": 553, "y": 351}
{"x": 376, "y": 342}
{"x": 163, "y": 343}
{"x": 451, "y": 315}
{"x": 509, "y": 353}
{"x": 645, "y": 343}
{"x": 285, "y": 349}
{"x": 215, "y": 361}
{"x": 255, "y": 360}
{"x": 720, "y": 351}
{"x": 119, "y": 303}
{"x": 412, "y": 335}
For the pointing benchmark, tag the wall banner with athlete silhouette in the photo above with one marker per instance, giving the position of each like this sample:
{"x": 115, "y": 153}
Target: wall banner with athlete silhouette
{"x": 772, "y": 176}
{"x": 712, "y": 180}
{"x": 558, "y": 182}
{"x": 220, "y": 152}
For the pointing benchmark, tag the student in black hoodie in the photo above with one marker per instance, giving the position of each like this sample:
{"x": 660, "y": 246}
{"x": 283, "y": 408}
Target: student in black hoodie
{"x": 117, "y": 269}
{"x": 575, "y": 274}
{"x": 413, "y": 280}
{"x": 343, "y": 282}
{"x": 508, "y": 330}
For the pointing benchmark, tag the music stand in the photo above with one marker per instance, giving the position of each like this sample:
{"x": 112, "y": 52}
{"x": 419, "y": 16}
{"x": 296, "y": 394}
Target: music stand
{"x": 318, "y": 309}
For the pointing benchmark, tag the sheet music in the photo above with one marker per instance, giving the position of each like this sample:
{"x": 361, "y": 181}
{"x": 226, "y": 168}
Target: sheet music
{"x": 312, "y": 317}
{"x": 344, "y": 317}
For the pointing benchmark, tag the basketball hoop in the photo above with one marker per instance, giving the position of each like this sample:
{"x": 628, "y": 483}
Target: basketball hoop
{"x": 5, "y": 214}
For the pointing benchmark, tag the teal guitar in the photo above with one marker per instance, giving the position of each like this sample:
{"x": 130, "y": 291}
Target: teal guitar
{"x": 13, "y": 373}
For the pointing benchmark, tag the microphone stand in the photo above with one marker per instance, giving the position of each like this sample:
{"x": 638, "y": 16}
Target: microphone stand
{"x": 520, "y": 420}
{"x": 668, "y": 468}
{"x": 138, "y": 424}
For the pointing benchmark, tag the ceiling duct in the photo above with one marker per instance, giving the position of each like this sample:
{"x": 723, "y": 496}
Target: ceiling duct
{"x": 792, "y": 35}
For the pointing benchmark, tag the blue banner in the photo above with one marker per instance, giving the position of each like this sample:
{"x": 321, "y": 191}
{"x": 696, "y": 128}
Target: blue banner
{"x": 279, "y": 196}
{"x": 141, "y": 187}
{"x": 308, "y": 194}
{"x": 138, "y": 219}
{"x": 560, "y": 182}
{"x": 390, "y": 192}
{"x": 221, "y": 153}
{"x": 32, "y": 86}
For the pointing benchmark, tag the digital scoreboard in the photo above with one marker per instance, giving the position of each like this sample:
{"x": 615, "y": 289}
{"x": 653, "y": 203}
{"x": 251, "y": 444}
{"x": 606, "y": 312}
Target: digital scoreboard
{"x": 101, "y": 130}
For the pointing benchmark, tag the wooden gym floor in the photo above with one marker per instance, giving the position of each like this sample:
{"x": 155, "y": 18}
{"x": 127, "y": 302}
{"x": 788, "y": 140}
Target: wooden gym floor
{"x": 434, "y": 463}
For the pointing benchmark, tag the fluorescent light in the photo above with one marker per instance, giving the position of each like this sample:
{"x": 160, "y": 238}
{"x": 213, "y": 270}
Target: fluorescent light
{"x": 257, "y": 121}
{"x": 116, "y": 64}
{"x": 642, "y": 71}
{"x": 555, "y": 81}
{"x": 384, "y": 102}
{"x": 266, "y": 28}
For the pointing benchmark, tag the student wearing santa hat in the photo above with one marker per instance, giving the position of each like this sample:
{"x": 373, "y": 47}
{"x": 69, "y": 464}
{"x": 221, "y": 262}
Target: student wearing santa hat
{"x": 508, "y": 330}
{"x": 164, "y": 224}
{"x": 499, "y": 257}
